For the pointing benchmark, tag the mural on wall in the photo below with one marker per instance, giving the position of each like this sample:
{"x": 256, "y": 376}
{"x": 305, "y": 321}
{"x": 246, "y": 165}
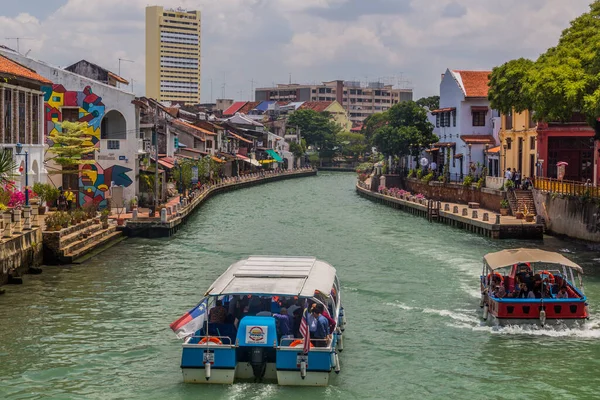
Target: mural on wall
{"x": 94, "y": 180}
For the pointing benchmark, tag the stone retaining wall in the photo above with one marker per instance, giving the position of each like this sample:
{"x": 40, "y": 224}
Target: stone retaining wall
{"x": 489, "y": 199}
{"x": 20, "y": 253}
{"x": 569, "y": 216}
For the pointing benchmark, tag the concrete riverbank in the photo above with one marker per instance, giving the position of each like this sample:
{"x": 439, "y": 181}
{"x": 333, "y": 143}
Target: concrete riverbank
{"x": 175, "y": 215}
{"x": 479, "y": 221}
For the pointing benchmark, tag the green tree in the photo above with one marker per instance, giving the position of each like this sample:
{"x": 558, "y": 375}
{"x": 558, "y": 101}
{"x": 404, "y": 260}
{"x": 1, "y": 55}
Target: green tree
{"x": 407, "y": 132}
{"x": 352, "y": 144}
{"x": 372, "y": 123}
{"x": 318, "y": 129}
{"x": 72, "y": 147}
{"x": 563, "y": 80}
{"x": 431, "y": 102}
{"x": 7, "y": 166}
{"x": 509, "y": 86}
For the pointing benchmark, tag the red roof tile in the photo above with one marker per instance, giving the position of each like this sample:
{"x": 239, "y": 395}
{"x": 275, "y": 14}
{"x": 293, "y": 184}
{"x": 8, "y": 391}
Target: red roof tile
{"x": 9, "y": 67}
{"x": 249, "y": 106}
{"x": 474, "y": 83}
{"x": 478, "y": 139}
{"x": 235, "y": 107}
{"x": 318, "y": 106}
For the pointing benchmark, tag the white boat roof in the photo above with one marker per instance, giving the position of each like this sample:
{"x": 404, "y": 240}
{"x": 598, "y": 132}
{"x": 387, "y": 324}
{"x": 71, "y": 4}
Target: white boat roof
{"x": 509, "y": 257}
{"x": 275, "y": 275}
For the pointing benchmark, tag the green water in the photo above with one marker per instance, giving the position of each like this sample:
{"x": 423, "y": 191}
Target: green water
{"x": 410, "y": 288}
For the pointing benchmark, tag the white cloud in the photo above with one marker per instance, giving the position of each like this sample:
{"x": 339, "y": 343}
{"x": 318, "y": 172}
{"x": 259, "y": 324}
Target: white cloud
{"x": 264, "y": 40}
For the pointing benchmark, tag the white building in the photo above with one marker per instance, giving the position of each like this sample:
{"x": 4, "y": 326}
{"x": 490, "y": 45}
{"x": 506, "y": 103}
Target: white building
{"x": 22, "y": 119}
{"x": 111, "y": 119}
{"x": 464, "y": 123}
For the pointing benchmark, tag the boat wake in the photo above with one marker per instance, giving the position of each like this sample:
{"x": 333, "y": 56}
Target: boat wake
{"x": 470, "y": 320}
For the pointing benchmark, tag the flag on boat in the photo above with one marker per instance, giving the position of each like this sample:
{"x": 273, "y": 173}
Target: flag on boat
{"x": 191, "y": 321}
{"x": 304, "y": 330}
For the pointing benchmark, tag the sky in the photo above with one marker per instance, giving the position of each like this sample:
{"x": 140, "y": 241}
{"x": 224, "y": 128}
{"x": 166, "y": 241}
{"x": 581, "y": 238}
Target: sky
{"x": 257, "y": 43}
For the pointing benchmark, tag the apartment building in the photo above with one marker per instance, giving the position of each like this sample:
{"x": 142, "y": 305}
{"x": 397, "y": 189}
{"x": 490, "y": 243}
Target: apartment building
{"x": 173, "y": 44}
{"x": 358, "y": 99}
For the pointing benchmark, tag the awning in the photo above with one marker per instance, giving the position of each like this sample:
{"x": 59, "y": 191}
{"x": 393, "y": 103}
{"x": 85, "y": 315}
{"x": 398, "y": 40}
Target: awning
{"x": 242, "y": 157}
{"x": 506, "y": 258}
{"x": 494, "y": 150}
{"x": 267, "y": 161}
{"x": 217, "y": 159}
{"x": 166, "y": 164}
{"x": 478, "y": 139}
{"x": 441, "y": 110}
{"x": 432, "y": 149}
{"x": 254, "y": 162}
{"x": 238, "y": 137}
{"x": 458, "y": 155}
{"x": 276, "y": 156}
{"x": 445, "y": 144}
{"x": 479, "y": 108}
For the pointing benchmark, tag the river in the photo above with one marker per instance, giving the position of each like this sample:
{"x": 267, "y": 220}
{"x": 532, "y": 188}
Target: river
{"x": 410, "y": 288}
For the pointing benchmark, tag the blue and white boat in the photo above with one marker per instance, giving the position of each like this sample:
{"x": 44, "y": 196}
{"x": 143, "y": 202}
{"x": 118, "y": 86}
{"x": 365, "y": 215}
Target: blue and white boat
{"x": 246, "y": 341}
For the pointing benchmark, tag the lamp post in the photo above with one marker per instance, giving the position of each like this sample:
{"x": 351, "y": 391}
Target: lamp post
{"x": 19, "y": 148}
{"x": 505, "y": 149}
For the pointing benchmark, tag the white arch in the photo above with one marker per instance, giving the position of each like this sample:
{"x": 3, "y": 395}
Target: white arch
{"x": 113, "y": 126}
{"x": 35, "y": 169}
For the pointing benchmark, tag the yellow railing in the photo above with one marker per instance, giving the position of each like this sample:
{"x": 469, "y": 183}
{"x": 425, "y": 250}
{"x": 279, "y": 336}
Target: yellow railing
{"x": 570, "y": 188}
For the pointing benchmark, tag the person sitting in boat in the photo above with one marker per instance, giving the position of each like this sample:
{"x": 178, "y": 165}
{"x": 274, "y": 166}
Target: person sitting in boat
{"x": 218, "y": 313}
{"x": 297, "y": 321}
{"x": 520, "y": 292}
{"x": 500, "y": 291}
{"x": 562, "y": 293}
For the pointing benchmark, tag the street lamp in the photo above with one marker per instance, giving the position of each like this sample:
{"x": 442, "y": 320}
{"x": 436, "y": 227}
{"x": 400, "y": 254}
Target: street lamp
{"x": 19, "y": 148}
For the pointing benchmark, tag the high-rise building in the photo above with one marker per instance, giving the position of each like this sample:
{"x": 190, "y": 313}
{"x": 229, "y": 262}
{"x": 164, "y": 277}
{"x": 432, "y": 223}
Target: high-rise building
{"x": 173, "y": 55}
{"x": 359, "y": 99}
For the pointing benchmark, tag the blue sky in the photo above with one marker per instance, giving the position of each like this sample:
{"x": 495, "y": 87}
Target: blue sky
{"x": 407, "y": 42}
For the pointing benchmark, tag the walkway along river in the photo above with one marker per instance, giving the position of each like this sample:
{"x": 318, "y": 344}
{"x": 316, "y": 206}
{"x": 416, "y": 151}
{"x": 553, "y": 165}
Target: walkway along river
{"x": 100, "y": 330}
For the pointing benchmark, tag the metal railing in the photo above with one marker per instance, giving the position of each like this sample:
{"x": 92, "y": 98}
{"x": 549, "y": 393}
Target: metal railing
{"x": 568, "y": 188}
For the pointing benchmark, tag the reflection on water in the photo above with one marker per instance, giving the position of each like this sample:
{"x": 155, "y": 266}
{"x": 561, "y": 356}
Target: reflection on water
{"x": 100, "y": 330}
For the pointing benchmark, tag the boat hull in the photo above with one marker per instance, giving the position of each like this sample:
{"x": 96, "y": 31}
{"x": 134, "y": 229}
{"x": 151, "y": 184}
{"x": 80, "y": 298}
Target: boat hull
{"x": 558, "y": 312}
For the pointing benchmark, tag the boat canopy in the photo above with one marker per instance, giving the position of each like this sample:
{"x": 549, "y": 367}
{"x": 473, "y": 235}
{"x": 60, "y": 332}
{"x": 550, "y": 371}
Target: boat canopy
{"x": 281, "y": 276}
{"x": 506, "y": 258}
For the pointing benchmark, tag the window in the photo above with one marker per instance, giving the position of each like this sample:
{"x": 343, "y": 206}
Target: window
{"x": 22, "y": 137}
{"x": 532, "y": 143}
{"x": 532, "y": 123}
{"x": 454, "y": 118}
{"x": 447, "y": 117}
{"x": 113, "y": 144}
{"x": 508, "y": 143}
{"x": 70, "y": 114}
{"x": 35, "y": 119}
{"x": 479, "y": 118}
{"x": 7, "y": 116}
{"x": 508, "y": 121}
{"x": 70, "y": 182}
{"x": 437, "y": 120}
{"x": 209, "y": 144}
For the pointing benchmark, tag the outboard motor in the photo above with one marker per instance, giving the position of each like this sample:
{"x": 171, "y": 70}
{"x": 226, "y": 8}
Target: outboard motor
{"x": 257, "y": 337}
{"x": 258, "y": 361}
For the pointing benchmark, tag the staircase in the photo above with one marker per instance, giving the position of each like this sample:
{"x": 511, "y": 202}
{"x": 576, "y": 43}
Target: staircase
{"x": 75, "y": 245}
{"x": 524, "y": 198}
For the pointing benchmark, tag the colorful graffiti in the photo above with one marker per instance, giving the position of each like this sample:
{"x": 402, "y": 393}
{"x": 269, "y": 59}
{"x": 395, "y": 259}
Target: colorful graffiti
{"x": 86, "y": 103}
{"x": 94, "y": 180}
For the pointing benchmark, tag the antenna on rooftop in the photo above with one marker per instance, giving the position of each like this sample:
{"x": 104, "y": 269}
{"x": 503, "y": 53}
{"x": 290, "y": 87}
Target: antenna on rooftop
{"x": 18, "y": 39}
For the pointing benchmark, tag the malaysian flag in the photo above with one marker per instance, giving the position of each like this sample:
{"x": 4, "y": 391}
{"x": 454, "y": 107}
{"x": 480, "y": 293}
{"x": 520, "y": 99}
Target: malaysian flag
{"x": 304, "y": 330}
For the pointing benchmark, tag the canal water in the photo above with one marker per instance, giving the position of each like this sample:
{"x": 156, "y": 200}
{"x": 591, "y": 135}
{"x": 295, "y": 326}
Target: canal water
{"x": 410, "y": 288}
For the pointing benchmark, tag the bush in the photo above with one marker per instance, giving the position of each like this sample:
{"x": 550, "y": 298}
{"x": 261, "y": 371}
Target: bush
{"x": 365, "y": 168}
{"x": 480, "y": 183}
{"x": 427, "y": 178}
{"x": 411, "y": 173}
{"x": 504, "y": 204}
{"x": 419, "y": 173}
{"x": 468, "y": 182}
{"x": 509, "y": 185}
{"x": 441, "y": 179}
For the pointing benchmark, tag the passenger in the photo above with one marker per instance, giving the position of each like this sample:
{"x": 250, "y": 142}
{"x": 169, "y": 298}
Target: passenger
{"x": 500, "y": 291}
{"x": 562, "y": 293}
{"x": 217, "y": 314}
{"x": 293, "y": 306}
{"x": 520, "y": 292}
{"x": 319, "y": 326}
{"x": 285, "y": 323}
{"x": 547, "y": 293}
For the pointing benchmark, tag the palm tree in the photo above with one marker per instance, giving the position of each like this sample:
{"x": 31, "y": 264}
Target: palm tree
{"x": 7, "y": 166}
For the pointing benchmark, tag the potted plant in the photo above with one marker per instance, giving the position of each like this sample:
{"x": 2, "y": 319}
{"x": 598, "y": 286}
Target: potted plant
{"x": 528, "y": 216}
{"x": 52, "y": 194}
{"x": 504, "y": 207}
{"x": 519, "y": 214}
{"x": 133, "y": 204}
{"x": 104, "y": 218}
{"x": 41, "y": 190}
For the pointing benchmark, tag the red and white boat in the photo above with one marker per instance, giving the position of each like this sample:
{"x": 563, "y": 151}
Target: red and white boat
{"x": 531, "y": 286}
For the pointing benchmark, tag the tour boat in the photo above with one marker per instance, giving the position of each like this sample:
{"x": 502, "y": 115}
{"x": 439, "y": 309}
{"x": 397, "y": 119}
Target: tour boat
{"x": 249, "y": 344}
{"x": 555, "y": 284}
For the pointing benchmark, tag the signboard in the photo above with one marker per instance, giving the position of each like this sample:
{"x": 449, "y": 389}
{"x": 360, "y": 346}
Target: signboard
{"x": 208, "y": 357}
{"x": 300, "y": 357}
{"x": 194, "y": 175}
{"x": 560, "y": 170}
{"x": 256, "y": 334}
{"x": 121, "y": 158}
